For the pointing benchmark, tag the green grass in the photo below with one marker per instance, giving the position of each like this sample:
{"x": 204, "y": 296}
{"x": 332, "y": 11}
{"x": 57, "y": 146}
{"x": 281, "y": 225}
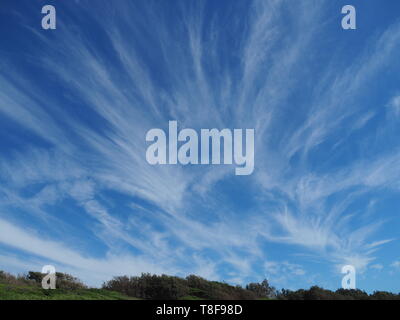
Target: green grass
{"x": 12, "y": 292}
{"x": 191, "y": 298}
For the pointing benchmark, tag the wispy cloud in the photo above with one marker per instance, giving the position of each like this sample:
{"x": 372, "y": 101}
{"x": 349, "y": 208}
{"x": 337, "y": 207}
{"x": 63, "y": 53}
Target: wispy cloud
{"x": 394, "y": 104}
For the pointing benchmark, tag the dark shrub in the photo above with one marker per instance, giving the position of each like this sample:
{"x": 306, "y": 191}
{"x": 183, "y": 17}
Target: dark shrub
{"x": 63, "y": 280}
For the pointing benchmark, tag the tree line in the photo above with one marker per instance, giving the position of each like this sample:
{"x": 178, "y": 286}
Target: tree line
{"x": 163, "y": 287}
{"x": 149, "y": 286}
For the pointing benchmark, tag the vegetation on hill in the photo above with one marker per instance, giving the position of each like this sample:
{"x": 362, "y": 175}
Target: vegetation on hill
{"x": 155, "y": 287}
{"x": 28, "y": 287}
{"x": 149, "y": 286}
{"x": 163, "y": 287}
{"x": 317, "y": 293}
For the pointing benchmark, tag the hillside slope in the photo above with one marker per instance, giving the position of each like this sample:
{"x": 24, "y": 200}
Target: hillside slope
{"x": 31, "y": 292}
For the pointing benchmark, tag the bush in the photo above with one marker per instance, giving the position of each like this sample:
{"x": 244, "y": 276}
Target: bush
{"x": 317, "y": 293}
{"x": 262, "y": 290}
{"x": 63, "y": 280}
{"x": 155, "y": 287}
{"x": 9, "y": 279}
{"x": 149, "y": 286}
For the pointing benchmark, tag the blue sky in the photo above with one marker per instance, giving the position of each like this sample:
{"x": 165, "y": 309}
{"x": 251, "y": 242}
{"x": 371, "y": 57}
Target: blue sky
{"x": 76, "y": 103}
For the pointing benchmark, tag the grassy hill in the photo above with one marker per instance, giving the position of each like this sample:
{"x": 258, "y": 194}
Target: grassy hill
{"x": 13, "y": 292}
{"x": 164, "y": 287}
{"x": 27, "y": 287}
{"x": 146, "y": 286}
{"x": 33, "y": 292}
